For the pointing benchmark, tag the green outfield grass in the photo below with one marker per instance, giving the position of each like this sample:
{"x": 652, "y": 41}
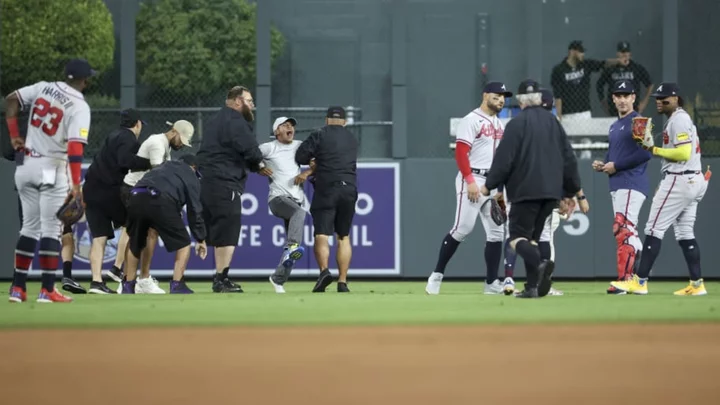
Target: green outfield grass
{"x": 380, "y": 303}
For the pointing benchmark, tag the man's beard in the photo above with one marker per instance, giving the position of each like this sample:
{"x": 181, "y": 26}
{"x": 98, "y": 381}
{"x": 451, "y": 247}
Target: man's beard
{"x": 495, "y": 108}
{"x": 247, "y": 113}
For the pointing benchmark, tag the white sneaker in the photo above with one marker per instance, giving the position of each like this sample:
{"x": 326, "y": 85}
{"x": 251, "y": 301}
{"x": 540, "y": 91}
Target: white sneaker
{"x": 508, "y": 286}
{"x": 278, "y": 287}
{"x": 433, "y": 284}
{"x": 495, "y": 288}
{"x": 555, "y": 292}
{"x": 148, "y": 286}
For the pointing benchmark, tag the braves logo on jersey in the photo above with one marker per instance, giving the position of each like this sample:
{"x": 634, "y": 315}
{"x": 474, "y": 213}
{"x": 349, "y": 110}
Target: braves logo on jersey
{"x": 483, "y": 133}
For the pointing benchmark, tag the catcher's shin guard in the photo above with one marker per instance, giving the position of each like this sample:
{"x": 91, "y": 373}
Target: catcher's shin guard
{"x": 626, "y": 253}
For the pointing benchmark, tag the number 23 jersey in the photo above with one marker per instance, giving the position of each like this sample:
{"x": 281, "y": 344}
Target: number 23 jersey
{"x": 58, "y": 114}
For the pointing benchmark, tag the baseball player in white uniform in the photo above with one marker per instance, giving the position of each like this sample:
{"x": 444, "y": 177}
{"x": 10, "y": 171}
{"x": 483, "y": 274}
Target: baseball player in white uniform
{"x": 286, "y": 198}
{"x": 681, "y": 189}
{"x": 58, "y": 129}
{"x": 156, "y": 148}
{"x": 477, "y": 136}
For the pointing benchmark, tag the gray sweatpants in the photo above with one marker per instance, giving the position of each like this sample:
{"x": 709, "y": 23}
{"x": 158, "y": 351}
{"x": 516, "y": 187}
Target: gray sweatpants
{"x": 294, "y": 216}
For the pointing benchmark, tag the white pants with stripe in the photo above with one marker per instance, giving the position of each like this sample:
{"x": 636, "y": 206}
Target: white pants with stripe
{"x": 466, "y": 213}
{"x": 675, "y": 203}
{"x": 629, "y": 202}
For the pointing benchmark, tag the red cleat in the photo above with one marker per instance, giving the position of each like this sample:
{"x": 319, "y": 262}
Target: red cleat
{"x": 17, "y": 295}
{"x": 48, "y": 297}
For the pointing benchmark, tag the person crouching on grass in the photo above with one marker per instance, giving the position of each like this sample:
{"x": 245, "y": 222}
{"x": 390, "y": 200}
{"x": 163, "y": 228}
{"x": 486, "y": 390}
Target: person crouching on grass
{"x": 156, "y": 202}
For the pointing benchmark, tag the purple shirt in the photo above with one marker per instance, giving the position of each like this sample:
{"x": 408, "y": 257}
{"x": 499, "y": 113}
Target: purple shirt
{"x": 630, "y": 159}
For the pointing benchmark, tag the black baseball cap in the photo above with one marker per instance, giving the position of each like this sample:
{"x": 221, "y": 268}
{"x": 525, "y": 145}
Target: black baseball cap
{"x": 497, "y": 88}
{"x": 336, "y": 112}
{"x": 528, "y": 86}
{"x": 666, "y": 89}
{"x": 130, "y": 117}
{"x": 78, "y": 69}
{"x": 623, "y": 87}
{"x": 547, "y": 99}
{"x": 576, "y": 45}
{"x": 623, "y": 46}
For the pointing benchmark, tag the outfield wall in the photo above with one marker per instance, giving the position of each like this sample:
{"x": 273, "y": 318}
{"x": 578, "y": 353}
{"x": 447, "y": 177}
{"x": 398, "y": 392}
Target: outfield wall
{"x": 403, "y": 239}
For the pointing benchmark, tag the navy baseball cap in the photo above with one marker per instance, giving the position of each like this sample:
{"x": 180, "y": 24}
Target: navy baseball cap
{"x": 623, "y": 87}
{"x": 497, "y": 88}
{"x": 78, "y": 69}
{"x": 528, "y": 86}
{"x": 130, "y": 117}
{"x": 666, "y": 89}
{"x": 336, "y": 112}
{"x": 623, "y": 46}
{"x": 576, "y": 45}
{"x": 547, "y": 99}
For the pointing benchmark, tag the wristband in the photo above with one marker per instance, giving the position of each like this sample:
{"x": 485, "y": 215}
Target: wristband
{"x": 13, "y": 127}
{"x": 581, "y": 197}
{"x": 470, "y": 179}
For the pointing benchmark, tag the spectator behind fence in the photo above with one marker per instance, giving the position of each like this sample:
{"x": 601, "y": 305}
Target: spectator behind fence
{"x": 627, "y": 69}
{"x": 570, "y": 82}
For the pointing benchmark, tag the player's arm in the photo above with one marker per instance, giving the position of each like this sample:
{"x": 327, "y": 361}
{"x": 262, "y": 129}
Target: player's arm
{"x": 306, "y": 151}
{"x": 78, "y": 130}
{"x": 14, "y": 102}
{"x": 638, "y": 157}
{"x": 679, "y": 132}
{"x": 464, "y": 136}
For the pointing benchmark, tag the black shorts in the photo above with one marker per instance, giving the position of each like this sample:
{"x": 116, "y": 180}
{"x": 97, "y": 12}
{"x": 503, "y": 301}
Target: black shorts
{"x": 222, "y": 213}
{"x": 104, "y": 214}
{"x": 125, "y": 194}
{"x": 527, "y": 218}
{"x": 159, "y": 213}
{"x": 333, "y": 209}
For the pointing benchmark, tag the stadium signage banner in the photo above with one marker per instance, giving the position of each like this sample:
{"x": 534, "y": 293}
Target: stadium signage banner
{"x": 375, "y": 234}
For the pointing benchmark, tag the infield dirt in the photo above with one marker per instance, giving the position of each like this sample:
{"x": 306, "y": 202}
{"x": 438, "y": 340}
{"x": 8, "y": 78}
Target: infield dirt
{"x": 536, "y": 365}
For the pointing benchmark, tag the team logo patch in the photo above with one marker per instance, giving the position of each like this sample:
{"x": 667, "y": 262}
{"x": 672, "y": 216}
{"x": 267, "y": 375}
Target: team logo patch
{"x": 666, "y": 138}
{"x": 84, "y": 133}
{"x": 683, "y": 137}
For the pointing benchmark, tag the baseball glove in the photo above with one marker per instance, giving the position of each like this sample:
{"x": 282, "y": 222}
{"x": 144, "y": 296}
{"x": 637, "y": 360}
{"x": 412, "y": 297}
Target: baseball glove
{"x": 497, "y": 211}
{"x": 642, "y": 132}
{"x": 71, "y": 211}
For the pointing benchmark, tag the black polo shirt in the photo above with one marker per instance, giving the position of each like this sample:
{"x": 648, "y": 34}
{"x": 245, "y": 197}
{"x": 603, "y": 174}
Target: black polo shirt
{"x": 634, "y": 72}
{"x": 572, "y": 84}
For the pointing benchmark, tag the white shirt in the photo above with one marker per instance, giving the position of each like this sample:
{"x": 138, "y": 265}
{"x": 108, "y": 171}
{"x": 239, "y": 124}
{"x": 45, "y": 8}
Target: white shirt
{"x": 59, "y": 114}
{"x": 483, "y": 133}
{"x": 680, "y": 130}
{"x": 280, "y": 158}
{"x": 156, "y": 149}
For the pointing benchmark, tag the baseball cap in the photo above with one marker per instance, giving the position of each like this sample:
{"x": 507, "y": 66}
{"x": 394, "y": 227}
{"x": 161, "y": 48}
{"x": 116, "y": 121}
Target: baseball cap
{"x": 528, "y": 86}
{"x": 185, "y": 129}
{"x": 281, "y": 120}
{"x": 497, "y": 88}
{"x": 576, "y": 45}
{"x": 623, "y": 46}
{"x": 547, "y": 99}
{"x": 78, "y": 69}
{"x": 623, "y": 87}
{"x": 130, "y": 117}
{"x": 336, "y": 112}
{"x": 666, "y": 89}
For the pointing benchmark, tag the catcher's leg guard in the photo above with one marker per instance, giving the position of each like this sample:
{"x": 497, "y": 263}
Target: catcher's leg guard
{"x": 626, "y": 253}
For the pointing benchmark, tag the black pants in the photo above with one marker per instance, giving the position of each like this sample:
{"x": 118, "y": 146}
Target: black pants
{"x": 161, "y": 213}
{"x": 333, "y": 208}
{"x": 527, "y": 218}
{"x": 222, "y": 213}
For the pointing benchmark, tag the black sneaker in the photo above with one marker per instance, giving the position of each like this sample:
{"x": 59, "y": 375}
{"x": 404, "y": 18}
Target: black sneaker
{"x": 342, "y": 287}
{"x": 72, "y": 286}
{"x": 324, "y": 280}
{"x": 527, "y": 293}
{"x": 116, "y": 274}
{"x": 224, "y": 285}
{"x": 100, "y": 288}
{"x": 546, "y": 269}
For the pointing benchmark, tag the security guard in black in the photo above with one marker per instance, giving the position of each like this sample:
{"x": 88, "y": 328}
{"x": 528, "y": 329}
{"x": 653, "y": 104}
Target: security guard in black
{"x": 105, "y": 210}
{"x": 335, "y": 151}
{"x": 157, "y": 202}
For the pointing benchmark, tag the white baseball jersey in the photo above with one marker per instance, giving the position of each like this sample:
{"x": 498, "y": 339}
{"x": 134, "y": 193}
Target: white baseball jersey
{"x": 280, "y": 158}
{"x": 59, "y": 114}
{"x": 483, "y": 133}
{"x": 680, "y": 130}
{"x": 156, "y": 149}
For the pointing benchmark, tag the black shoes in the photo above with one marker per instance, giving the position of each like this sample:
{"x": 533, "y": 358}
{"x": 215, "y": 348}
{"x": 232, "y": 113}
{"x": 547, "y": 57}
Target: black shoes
{"x": 323, "y": 281}
{"x": 222, "y": 284}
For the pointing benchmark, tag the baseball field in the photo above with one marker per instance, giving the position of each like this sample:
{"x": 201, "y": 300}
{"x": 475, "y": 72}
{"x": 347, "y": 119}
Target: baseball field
{"x": 384, "y": 343}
